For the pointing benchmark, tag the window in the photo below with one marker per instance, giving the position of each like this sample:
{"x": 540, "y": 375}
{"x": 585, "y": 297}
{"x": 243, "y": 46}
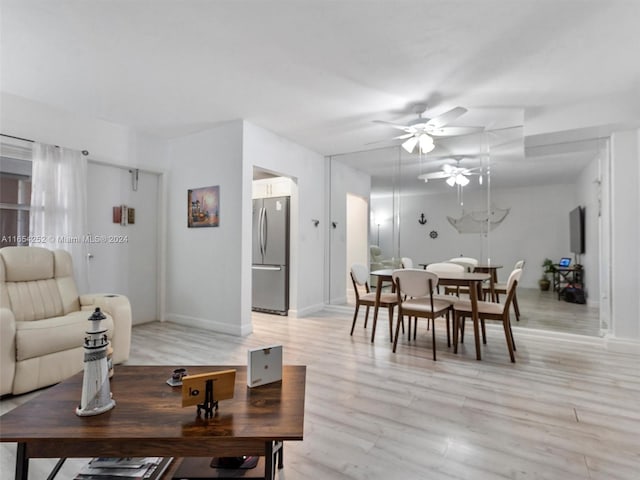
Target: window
{"x": 15, "y": 199}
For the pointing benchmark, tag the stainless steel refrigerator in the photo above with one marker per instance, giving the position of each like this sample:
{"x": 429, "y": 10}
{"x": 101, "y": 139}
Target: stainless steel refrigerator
{"x": 270, "y": 268}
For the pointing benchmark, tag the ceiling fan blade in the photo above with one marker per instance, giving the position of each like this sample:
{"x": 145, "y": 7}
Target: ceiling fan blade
{"x": 454, "y": 131}
{"x": 447, "y": 117}
{"x": 402, "y": 137}
{"x": 433, "y": 176}
{"x": 394, "y": 125}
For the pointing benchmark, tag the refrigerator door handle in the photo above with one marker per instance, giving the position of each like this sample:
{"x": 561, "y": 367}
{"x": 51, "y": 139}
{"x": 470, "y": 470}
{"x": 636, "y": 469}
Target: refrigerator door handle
{"x": 276, "y": 268}
{"x": 260, "y": 231}
{"x": 265, "y": 226}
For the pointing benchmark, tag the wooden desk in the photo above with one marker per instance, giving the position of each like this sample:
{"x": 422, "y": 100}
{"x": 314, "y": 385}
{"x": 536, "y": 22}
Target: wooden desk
{"x": 148, "y": 420}
{"x": 474, "y": 282}
{"x": 564, "y": 277}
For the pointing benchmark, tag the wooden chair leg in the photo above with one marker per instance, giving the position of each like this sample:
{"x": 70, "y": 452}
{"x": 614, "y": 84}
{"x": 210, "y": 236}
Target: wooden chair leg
{"x": 375, "y": 322}
{"x": 355, "y": 316}
{"x": 513, "y": 342}
{"x": 433, "y": 337}
{"x": 515, "y": 306}
{"x": 366, "y": 316}
{"x": 415, "y": 326}
{"x": 448, "y": 332}
{"x": 395, "y": 339}
{"x": 456, "y": 321}
{"x": 462, "y": 328}
{"x": 484, "y": 331}
{"x": 507, "y": 334}
{"x": 391, "y": 324}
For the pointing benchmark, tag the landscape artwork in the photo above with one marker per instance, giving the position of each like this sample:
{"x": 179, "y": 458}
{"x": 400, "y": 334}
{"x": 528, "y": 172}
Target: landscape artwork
{"x": 203, "y": 207}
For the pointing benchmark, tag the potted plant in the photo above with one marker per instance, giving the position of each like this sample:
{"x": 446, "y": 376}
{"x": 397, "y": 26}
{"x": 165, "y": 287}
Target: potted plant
{"x": 547, "y": 268}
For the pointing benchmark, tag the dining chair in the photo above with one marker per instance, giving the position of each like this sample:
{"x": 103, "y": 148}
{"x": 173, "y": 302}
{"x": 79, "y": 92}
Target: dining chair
{"x": 364, "y": 296}
{"x": 406, "y": 262}
{"x": 467, "y": 262}
{"x": 415, "y": 296}
{"x": 440, "y": 268}
{"x": 501, "y": 288}
{"x": 447, "y": 267}
{"x": 488, "y": 311}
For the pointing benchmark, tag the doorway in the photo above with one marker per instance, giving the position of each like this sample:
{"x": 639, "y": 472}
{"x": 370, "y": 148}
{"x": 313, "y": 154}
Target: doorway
{"x": 357, "y": 234}
{"x": 125, "y": 259}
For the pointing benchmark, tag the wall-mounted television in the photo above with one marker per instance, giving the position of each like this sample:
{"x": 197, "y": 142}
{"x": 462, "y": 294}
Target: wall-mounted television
{"x": 576, "y": 230}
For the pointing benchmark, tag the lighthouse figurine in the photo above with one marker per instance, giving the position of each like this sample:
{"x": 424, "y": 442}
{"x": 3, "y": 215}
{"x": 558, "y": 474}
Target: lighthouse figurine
{"x": 96, "y": 391}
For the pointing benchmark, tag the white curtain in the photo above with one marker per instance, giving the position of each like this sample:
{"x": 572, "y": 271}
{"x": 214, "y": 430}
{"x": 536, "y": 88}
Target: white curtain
{"x": 58, "y": 217}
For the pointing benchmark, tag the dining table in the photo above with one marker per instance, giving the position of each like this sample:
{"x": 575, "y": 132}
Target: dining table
{"x": 473, "y": 281}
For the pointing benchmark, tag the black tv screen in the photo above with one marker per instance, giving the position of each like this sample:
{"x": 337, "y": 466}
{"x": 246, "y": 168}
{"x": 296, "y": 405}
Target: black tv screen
{"x": 576, "y": 232}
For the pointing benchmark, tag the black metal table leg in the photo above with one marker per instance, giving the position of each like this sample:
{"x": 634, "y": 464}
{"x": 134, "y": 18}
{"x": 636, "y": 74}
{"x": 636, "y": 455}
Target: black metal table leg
{"x": 22, "y": 462}
{"x": 269, "y": 470}
{"x": 56, "y": 469}
{"x": 281, "y": 456}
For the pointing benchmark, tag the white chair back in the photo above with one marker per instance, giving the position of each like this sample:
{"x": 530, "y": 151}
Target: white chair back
{"x": 519, "y": 264}
{"x": 360, "y": 273}
{"x": 414, "y": 282}
{"x": 445, "y": 267}
{"x": 471, "y": 260}
{"x": 513, "y": 277}
{"x": 407, "y": 262}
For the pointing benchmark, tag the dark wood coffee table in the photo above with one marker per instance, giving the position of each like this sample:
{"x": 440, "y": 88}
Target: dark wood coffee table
{"x": 148, "y": 420}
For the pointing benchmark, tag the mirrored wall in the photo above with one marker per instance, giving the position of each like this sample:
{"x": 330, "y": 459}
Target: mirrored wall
{"x": 486, "y": 196}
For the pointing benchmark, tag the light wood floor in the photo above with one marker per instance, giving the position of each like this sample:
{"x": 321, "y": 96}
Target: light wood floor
{"x": 566, "y": 410}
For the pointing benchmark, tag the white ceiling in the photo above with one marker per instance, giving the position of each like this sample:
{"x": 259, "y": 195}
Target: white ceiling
{"x": 319, "y": 72}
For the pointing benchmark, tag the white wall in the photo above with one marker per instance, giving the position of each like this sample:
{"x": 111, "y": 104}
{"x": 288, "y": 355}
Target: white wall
{"x": 203, "y": 264}
{"x": 536, "y": 227}
{"x": 266, "y": 150}
{"x": 625, "y": 235}
{"x": 106, "y": 142}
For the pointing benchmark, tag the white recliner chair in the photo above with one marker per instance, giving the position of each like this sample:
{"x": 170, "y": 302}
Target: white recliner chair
{"x": 43, "y": 320}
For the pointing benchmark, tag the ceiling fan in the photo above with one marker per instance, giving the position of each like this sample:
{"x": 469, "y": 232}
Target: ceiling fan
{"x": 420, "y": 131}
{"x": 454, "y": 174}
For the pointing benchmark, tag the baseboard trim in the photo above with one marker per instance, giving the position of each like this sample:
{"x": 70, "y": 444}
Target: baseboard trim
{"x": 608, "y": 342}
{"x": 310, "y": 310}
{"x": 568, "y": 337}
{"x": 210, "y": 324}
{"x": 347, "y": 309}
{"x": 622, "y": 345}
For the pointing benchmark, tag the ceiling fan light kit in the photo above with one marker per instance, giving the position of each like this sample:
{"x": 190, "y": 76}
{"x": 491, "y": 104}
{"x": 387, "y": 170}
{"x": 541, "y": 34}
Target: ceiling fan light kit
{"x": 424, "y": 141}
{"x": 462, "y": 180}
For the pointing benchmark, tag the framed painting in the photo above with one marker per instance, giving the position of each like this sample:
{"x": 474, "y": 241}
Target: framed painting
{"x": 203, "y": 207}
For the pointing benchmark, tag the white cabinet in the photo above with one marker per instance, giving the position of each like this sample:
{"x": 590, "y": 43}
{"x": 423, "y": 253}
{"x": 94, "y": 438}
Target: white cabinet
{"x": 272, "y": 187}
